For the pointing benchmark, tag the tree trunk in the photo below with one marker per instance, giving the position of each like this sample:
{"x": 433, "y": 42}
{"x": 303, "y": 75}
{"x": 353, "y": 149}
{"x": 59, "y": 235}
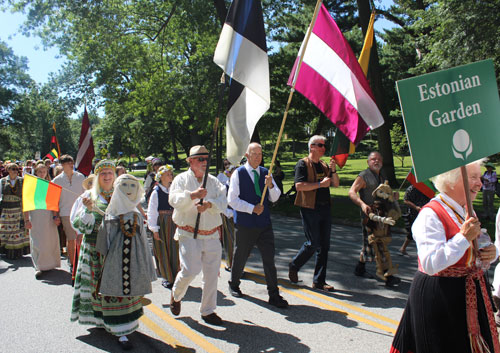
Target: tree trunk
{"x": 383, "y": 133}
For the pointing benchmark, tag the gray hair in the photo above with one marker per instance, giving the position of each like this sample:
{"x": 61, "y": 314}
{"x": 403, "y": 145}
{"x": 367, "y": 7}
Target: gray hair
{"x": 314, "y": 139}
{"x": 446, "y": 181}
{"x": 251, "y": 145}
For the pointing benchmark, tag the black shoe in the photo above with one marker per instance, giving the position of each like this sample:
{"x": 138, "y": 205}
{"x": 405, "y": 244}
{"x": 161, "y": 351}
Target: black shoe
{"x": 167, "y": 284}
{"x": 212, "y": 319}
{"x": 38, "y": 274}
{"x": 227, "y": 268}
{"x": 278, "y": 301}
{"x": 391, "y": 281}
{"x": 125, "y": 345}
{"x": 293, "y": 275}
{"x": 235, "y": 291}
{"x": 360, "y": 269}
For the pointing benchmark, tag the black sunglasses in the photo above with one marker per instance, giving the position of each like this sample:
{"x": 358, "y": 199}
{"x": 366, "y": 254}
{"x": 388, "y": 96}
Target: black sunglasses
{"x": 320, "y": 145}
{"x": 202, "y": 159}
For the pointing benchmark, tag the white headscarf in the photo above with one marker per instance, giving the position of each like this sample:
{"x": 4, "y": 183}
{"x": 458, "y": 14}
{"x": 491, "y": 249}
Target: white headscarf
{"x": 120, "y": 203}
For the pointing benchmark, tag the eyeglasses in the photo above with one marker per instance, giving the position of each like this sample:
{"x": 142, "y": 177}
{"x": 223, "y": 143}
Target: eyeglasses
{"x": 14, "y": 169}
{"x": 320, "y": 145}
{"x": 201, "y": 159}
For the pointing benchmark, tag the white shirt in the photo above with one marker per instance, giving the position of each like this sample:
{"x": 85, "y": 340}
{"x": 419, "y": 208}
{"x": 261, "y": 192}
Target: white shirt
{"x": 153, "y": 209}
{"x": 222, "y": 178}
{"x": 68, "y": 198}
{"x": 185, "y": 212}
{"x": 434, "y": 251}
{"x": 233, "y": 195}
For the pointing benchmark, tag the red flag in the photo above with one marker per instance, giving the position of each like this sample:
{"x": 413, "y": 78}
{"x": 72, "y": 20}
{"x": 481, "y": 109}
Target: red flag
{"x": 425, "y": 187}
{"x": 85, "y": 147}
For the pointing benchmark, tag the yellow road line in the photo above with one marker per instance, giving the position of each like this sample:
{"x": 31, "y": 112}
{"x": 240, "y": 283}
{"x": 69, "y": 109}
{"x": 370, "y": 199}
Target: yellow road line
{"x": 327, "y": 306}
{"x": 186, "y": 331}
{"x": 171, "y": 341}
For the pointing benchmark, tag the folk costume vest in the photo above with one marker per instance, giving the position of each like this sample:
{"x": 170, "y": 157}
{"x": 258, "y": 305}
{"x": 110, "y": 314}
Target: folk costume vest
{"x": 248, "y": 194}
{"x": 307, "y": 199}
{"x": 163, "y": 204}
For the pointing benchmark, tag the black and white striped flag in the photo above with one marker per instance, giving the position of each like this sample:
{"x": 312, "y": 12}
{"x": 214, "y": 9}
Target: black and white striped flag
{"x": 242, "y": 53}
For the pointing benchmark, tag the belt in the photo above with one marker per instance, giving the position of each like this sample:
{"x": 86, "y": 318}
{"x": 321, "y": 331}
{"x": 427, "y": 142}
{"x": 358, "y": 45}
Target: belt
{"x": 200, "y": 231}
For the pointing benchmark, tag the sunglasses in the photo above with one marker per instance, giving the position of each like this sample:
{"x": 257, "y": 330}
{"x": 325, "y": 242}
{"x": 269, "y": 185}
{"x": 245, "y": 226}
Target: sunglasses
{"x": 14, "y": 169}
{"x": 201, "y": 159}
{"x": 320, "y": 145}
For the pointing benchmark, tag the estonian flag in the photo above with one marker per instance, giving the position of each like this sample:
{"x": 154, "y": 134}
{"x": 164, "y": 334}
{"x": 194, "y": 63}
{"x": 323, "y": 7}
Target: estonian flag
{"x": 242, "y": 53}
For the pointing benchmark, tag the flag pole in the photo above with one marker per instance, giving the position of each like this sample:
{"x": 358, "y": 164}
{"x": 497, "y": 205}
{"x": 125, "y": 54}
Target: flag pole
{"x": 214, "y": 132}
{"x": 468, "y": 207}
{"x": 292, "y": 90}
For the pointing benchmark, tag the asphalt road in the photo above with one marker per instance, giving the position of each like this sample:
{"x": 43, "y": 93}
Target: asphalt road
{"x": 361, "y": 315}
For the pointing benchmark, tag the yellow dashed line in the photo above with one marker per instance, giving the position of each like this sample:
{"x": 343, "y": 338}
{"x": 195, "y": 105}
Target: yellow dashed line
{"x": 171, "y": 341}
{"x": 186, "y": 331}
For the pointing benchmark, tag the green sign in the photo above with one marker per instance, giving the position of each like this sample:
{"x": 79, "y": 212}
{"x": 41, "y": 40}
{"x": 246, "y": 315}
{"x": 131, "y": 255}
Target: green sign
{"x": 452, "y": 117}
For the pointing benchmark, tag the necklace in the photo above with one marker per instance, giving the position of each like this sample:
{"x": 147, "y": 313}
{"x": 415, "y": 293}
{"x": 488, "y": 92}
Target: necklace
{"x": 107, "y": 194}
{"x": 125, "y": 227}
{"x": 13, "y": 188}
{"x": 459, "y": 217}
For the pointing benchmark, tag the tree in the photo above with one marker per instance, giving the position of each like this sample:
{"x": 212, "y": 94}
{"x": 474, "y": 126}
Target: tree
{"x": 399, "y": 143}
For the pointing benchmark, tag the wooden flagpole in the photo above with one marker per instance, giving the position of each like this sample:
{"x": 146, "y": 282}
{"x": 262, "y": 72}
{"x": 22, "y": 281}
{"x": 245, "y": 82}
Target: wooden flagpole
{"x": 214, "y": 133}
{"x": 468, "y": 207}
{"x": 292, "y": 90}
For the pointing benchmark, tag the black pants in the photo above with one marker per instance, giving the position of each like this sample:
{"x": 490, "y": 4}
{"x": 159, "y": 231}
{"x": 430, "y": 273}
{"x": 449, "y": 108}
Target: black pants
{"x": 245, "y": 239}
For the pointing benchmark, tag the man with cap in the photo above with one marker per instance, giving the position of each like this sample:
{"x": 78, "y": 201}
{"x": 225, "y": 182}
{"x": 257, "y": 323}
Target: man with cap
{"x": 489, "y": 180}
{"x": 203, "y": 252}
{"x": 253, "y": 222}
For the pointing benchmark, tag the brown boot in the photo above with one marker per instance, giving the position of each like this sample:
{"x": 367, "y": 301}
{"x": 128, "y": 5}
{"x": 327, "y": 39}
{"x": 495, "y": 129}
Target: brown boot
{"x": 175, "y": 307}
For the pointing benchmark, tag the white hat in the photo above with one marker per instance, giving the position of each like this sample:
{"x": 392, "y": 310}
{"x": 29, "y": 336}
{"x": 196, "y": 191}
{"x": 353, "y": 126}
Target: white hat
{"x": 148, "y": 159}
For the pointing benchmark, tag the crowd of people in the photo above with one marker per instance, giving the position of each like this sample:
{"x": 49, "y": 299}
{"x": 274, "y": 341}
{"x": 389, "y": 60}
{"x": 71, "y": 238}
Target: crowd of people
{"x": 193, "y": 217}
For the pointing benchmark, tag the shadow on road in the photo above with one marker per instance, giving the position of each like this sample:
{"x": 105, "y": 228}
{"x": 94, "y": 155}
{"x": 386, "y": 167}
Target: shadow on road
{"x": 14, "y": 265}
{"x": 250, "y": 337}
{"x": 102, "y": 340}
{"x": 56, "y": 277}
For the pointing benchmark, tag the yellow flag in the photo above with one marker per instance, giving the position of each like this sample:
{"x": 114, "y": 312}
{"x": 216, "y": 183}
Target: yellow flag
{"x": 364, "y": 58}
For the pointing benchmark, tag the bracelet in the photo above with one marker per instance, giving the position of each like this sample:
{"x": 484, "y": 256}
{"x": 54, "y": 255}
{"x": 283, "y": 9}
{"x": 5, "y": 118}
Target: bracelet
{"x": 319, "y": 184}
{"x": 334, "y": 172}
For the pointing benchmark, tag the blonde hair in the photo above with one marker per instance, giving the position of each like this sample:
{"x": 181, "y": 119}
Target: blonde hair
{"x": 41, "y": 166}
{"x": 95, "y": 190}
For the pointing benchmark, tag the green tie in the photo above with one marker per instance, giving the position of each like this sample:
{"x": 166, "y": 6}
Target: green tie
{"x": 256, "y": 183}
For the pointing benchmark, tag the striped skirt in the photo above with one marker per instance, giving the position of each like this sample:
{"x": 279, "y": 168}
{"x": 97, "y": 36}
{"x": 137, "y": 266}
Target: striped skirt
{"x": 228, "y": 238}
{"x": 117, "y": 315}
{"x": 166, "y": 250}
{"x": 14, "y": 240}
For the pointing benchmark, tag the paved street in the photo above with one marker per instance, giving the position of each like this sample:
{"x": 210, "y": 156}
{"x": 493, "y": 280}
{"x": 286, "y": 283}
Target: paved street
{"x": 360, "y": 316}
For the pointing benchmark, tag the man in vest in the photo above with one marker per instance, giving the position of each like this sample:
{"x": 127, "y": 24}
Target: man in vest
{"x": 313, "y": 179}
{"x": 253, "y": 222}
{"x": 364, "y": 184}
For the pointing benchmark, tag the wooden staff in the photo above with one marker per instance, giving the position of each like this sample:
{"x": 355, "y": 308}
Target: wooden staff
{"x": 214, "y": 133}
{"x": 468, "y": 207}
{"x": 292, "y": 90}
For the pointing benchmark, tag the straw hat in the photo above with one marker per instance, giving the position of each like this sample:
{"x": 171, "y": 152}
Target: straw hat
{"x": 197, "y": 151}
{"x": 87, "y": 183}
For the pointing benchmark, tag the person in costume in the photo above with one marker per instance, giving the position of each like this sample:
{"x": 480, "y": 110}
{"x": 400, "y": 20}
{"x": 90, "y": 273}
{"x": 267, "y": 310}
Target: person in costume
{"x": 313, "y": 179}
{"x": 44, "y": 238}
{"x": 384, "y": 213}
{"x": 364, "y": 185}
{"x": 117, "y": 316}
{"x": 14, "y": 241}
{"x": 449, "y": 308}
{"x": 204, "y": 252}
{"x": 166, "y": 248}
{"x": 496, "y": 278}
{"x": 127, "y": 265}
{"x": 150, "y": 181}
{"x": 253, "y": 222}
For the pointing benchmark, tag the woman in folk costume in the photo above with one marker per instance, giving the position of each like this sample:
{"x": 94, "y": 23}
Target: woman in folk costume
{"x": 14, "y": 241}
{"x": 128, "y": 268}
{"x": 90, "y": 308}
{"x": 166, "y": 248}
{"x": 44, "y": 237}
{"x": 449, "y": 308}
{"x": 228, "y": 224}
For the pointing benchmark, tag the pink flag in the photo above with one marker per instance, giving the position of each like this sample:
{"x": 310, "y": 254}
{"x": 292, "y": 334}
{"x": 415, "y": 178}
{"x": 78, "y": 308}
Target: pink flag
{"x": 85, "y": 147}
{"x": 331, "y": 78}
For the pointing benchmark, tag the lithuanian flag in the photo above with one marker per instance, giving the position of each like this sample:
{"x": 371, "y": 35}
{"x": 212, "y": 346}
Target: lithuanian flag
{"x": 40, "y": 194}
{"x": 425, "y": 187}
{"x": 52, "y": 155}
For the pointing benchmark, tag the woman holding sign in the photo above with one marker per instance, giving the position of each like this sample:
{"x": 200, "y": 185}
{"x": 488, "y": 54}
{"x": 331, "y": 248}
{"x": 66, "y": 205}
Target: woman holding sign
{"x": 449, "y": 308}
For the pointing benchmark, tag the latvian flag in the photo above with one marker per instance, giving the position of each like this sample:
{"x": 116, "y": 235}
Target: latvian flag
{"x": 52, "y": 155}
{"x": 331, "y": 78}
{"x": 85, "y": 147}
{"x": 242, "y": 53}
